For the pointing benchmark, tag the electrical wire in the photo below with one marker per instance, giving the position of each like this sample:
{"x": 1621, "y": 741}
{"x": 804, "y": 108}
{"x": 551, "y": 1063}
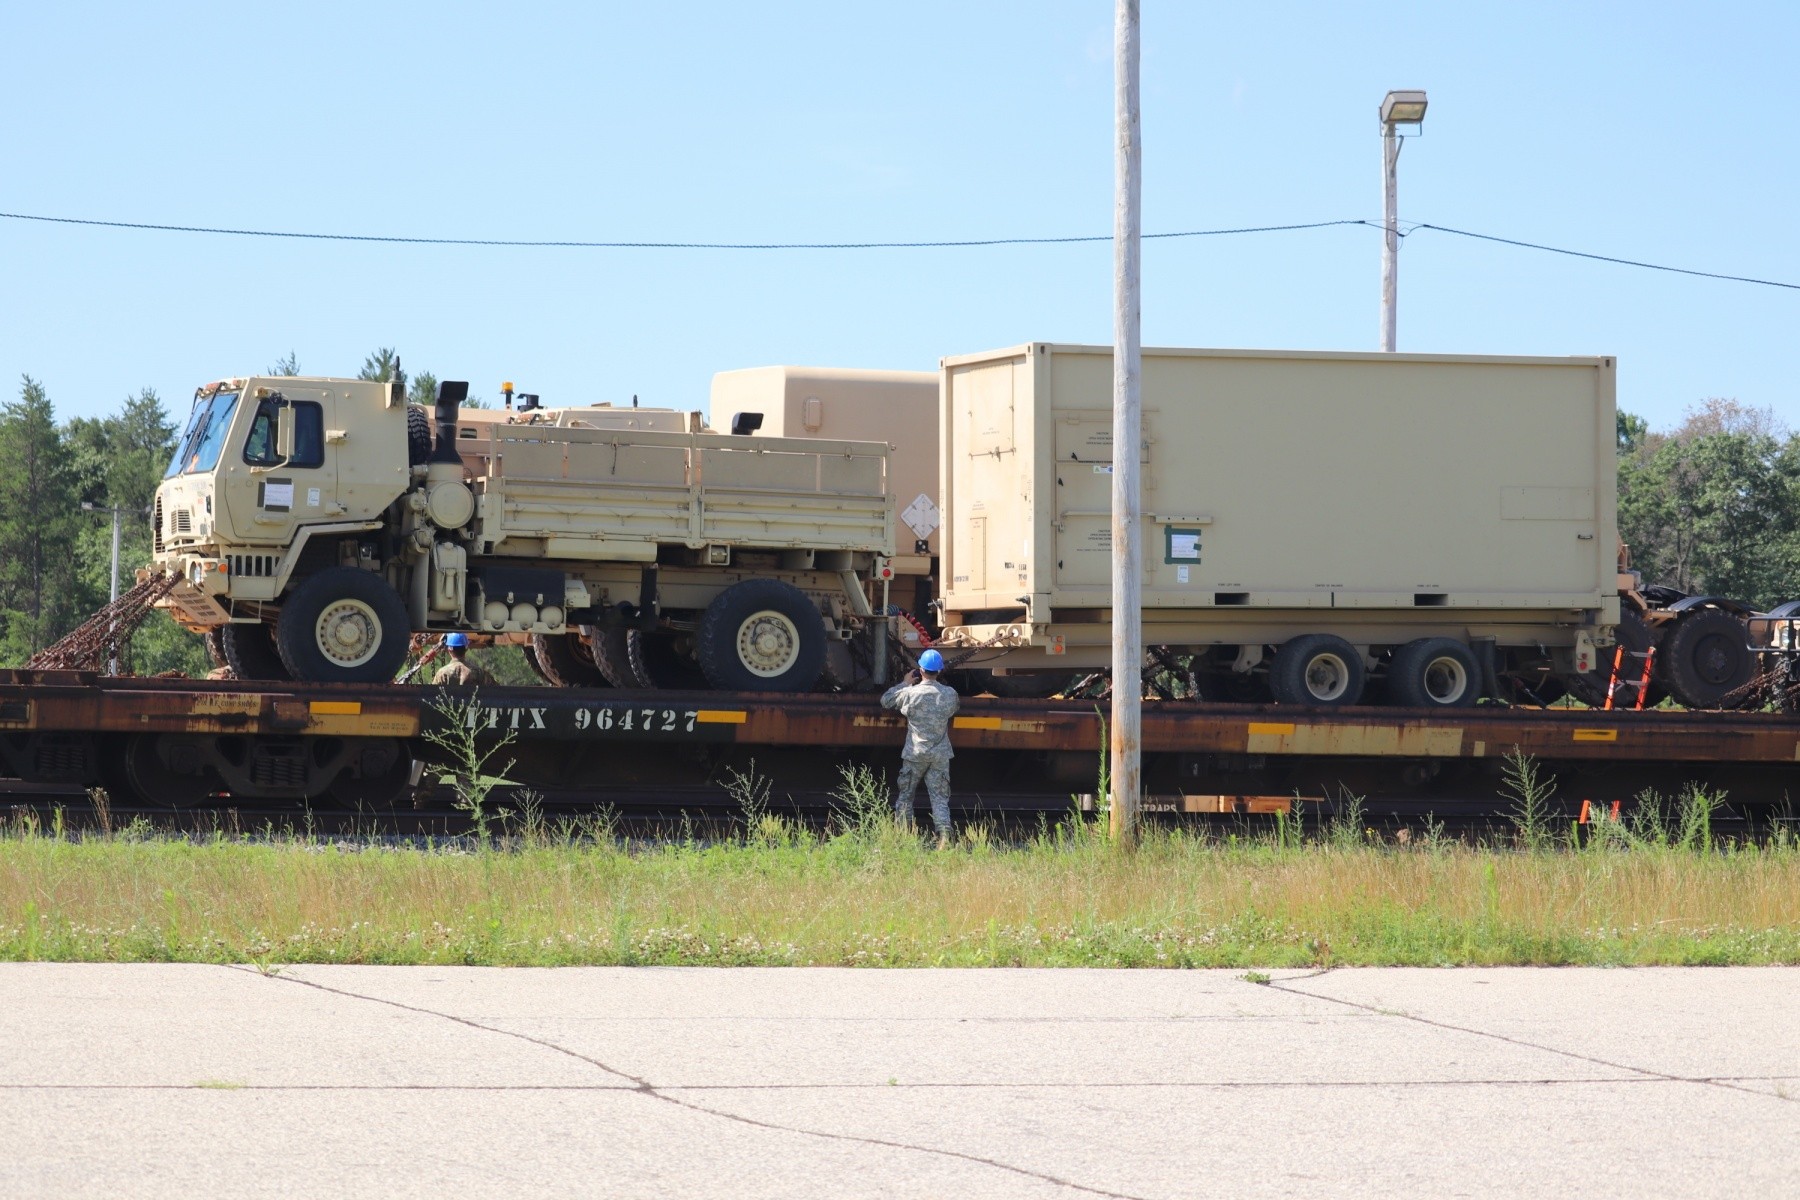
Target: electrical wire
{"x": 579, "y": 245}
{"x": 966, "y": 243}
{"x": 1607, "y": 258}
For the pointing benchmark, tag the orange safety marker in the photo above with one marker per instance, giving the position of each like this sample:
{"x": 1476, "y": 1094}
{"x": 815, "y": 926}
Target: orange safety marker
{"x": 1615, "y": 810}
{"x": 1643, "y": 690}
{"x": 1583, "y": 818}
{"x": 1612, "y": 682}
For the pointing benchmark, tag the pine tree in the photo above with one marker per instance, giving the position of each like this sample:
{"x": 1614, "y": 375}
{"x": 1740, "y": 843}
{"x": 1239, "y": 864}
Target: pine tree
{"x": 37, "y": 524}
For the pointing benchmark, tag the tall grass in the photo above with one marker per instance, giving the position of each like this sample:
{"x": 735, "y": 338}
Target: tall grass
{"x": 1653, "y": 887}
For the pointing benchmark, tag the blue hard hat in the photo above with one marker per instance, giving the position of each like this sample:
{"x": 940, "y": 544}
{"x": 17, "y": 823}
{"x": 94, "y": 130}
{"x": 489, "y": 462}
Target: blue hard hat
{"x": 931, "y": 660}
{"x": 456, "y": 641}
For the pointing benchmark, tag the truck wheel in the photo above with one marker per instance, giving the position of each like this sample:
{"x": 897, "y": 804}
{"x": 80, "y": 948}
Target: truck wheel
{"x": 1706, "y": 661}
{"x": 564, "y": 660}
{"x": 215, "y": 646}
{"x": 1434, "y": 673}
{"x": 762, "y": 635}
{"x": 343, "y": 625}
{"x": 250, "y": 652}
{"x": 418, "y": 434}
{"x": 1319, "y": 669}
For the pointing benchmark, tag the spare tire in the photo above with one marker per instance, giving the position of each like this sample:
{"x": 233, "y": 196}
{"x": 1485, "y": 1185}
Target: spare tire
{"x": 418, "y": 435}
{"x": 1706, "y": 660}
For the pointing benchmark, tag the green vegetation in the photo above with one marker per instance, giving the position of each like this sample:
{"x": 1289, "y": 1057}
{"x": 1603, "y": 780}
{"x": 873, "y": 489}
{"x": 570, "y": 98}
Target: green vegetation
{"x": 1657, "y": 888}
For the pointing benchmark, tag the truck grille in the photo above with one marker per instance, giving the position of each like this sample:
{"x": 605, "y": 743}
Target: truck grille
{"x": 184, "y": 520}
{"x": 252, "y": 566}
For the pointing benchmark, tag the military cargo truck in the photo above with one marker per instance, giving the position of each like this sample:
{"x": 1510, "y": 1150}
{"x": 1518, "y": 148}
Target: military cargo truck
{"x": 1314, "y": 524}
{"x": 316, "y": 524}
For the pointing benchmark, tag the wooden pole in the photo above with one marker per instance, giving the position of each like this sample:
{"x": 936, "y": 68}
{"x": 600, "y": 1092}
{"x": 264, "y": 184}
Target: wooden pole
{"x": 1128, "y": 627}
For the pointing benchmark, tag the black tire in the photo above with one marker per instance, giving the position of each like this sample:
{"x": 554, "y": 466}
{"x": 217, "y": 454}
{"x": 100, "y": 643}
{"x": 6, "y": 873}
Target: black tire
{"x": 215, "y": 646}
{"x": 1706, "y": 660}
{"x": 1317, "y": 669}
{"x": 418, "y": 434}
{"x": 612, "y": 655}
{"x": 564, "y": 660}
{"x": 250, "y": 652}
{"x": 1590, "y": 689}
{"x": 1435, "y": 672}
{"x": 357, "y": 615}
{"x": 762, "y": 635}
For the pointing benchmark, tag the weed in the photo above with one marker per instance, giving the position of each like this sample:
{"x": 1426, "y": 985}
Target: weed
{"x": 1346, "y": 829}
{"x": 474, "y": 774}
{"x": 1530, "y": 791}
{"x": 860, "y": 801}
{"x": 1261, "y": 977}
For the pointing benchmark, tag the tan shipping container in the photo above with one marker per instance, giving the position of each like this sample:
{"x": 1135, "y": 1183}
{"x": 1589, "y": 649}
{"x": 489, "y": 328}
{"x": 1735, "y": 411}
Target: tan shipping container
{"x": 1382, "y": 497}
{"x": 896, "y": 407}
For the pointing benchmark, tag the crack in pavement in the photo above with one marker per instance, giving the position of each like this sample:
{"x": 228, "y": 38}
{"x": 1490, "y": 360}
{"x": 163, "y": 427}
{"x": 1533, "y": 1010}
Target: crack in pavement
{"x": 1719, "y": 1081}
{"x": 1175, "y": 1085}
{"x": 644, "y": 1087}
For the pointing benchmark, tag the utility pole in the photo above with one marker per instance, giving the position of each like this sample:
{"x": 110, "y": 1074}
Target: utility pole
{"x": 1128, "y": 618}
{"x": 1397, "y": 108}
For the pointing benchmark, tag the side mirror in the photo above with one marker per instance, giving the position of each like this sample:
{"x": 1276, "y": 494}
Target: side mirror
{"x": 745, "y": 423}
{"x": 284, "y": 431}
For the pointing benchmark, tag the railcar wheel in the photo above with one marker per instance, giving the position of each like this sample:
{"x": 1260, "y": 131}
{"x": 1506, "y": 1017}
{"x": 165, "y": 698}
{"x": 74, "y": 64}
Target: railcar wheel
{"x": 1706, "y": 661}
{"x": 250, "y": 652}
{"x": 1434, "y": 673}
{"x": 376, "y": 778}
{"x": 762, "y": 635}
{"x": 140, "y": 772}
{"x": 564, "y": 660}
{"x": 343, "y": 625}
{"x": 1319, "y": 669}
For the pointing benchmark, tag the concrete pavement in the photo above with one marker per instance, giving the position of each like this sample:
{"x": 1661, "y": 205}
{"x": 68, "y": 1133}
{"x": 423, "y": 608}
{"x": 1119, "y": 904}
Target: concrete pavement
{"x": 193, "y": 1080}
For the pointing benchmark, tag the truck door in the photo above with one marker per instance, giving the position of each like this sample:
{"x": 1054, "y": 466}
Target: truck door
{"x": 270, "y": 494}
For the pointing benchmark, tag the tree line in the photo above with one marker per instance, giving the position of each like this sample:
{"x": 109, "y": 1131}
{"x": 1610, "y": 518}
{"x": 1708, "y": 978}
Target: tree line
{"x": 1709, "y": 506}
{"x": 59, "y": 484}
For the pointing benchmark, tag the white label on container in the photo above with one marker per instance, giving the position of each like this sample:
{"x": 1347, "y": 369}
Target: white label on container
{"x": 1184, "y": 545}
{"x": 312, "y": 497}
{"x": 1181, "y": 574}
{"x": 1103, "y": 469}
{"x": 278, "y": 495}
{"x": 921, "y": 516}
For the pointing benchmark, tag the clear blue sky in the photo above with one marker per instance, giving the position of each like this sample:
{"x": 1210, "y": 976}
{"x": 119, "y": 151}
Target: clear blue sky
{"x": 1647, "y": 130}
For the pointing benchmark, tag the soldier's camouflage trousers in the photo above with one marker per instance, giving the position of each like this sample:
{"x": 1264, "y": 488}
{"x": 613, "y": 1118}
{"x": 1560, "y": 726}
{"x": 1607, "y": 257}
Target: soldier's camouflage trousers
{"x": 935, "y": 774}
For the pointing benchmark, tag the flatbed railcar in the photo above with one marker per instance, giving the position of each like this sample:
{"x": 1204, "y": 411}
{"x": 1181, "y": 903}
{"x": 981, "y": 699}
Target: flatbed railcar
{"x": 177, "y": 741}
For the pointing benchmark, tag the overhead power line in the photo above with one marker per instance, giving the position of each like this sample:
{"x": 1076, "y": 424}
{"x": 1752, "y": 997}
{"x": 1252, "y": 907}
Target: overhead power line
{"x": 579, "y": 245}
{"x": 1607, "y": 258}
{"x": 946, "y": 244}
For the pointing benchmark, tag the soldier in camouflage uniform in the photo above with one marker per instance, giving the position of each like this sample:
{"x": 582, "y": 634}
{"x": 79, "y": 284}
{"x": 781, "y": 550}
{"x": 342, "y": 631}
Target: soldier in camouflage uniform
{"x": 927, "y": 706}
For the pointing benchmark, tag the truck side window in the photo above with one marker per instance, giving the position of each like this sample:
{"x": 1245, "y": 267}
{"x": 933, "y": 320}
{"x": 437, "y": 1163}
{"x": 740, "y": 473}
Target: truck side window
{"x": 309, "y": 436}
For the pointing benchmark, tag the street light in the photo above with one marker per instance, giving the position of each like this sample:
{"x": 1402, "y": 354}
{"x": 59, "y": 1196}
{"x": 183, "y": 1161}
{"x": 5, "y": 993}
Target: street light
{"x": 1397, "y": 108}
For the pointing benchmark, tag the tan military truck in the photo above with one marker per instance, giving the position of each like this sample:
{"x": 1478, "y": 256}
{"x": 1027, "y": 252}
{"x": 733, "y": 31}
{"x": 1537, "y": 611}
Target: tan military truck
{"x": 316, "y": 523}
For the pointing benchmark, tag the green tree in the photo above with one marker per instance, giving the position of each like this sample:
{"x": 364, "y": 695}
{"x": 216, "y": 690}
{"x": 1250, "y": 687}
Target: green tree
{"x": 37, "y": 506}
{"x": 289, "y": 366}
{"x": 383, "y": 366}
{"x": 1714, "y": 505}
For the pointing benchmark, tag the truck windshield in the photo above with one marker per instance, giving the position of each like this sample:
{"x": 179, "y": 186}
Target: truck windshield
{"x": 199, "y": 447}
